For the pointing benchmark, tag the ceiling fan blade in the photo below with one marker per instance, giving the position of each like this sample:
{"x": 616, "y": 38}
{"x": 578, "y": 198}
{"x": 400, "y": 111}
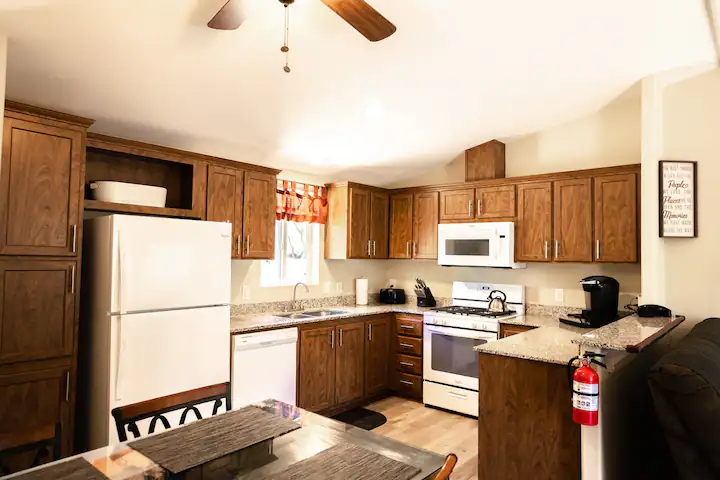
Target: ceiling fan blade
{"x": 363, "y": 18}
{"x": 229, "y": 17}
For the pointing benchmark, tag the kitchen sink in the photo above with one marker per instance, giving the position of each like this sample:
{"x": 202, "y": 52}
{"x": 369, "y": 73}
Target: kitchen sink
{"x": 292, "y": 315}
{"x": 311, "y": 314}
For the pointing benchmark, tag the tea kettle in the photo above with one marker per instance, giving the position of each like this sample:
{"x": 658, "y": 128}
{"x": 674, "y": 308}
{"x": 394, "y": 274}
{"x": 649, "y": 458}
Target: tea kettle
{"x": 497, "y": 304}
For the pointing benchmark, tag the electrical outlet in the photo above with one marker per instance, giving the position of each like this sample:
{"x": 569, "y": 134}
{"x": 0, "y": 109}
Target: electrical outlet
{"x": 559, "y": 295}
{"x": 327, "y": 287}
{"x": 338, "y": 287}
{"x": 246, "y": 292}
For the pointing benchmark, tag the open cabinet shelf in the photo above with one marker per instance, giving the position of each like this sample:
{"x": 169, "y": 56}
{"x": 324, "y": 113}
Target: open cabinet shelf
{"x": 100, "y": 206}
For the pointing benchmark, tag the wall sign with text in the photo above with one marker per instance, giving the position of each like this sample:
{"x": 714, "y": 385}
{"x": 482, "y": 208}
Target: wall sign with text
{"x": 678, "y": 207}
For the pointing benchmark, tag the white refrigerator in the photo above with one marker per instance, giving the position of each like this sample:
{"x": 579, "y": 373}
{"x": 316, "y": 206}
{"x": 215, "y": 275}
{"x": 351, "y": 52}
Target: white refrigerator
{"x": 156, "y": 314}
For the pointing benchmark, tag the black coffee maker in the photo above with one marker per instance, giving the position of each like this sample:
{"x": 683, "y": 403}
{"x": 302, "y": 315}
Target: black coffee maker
{"x": 601, "y": 300}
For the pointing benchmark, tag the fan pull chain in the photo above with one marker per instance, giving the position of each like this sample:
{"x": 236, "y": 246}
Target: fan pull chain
{"x": 285, "y": 48}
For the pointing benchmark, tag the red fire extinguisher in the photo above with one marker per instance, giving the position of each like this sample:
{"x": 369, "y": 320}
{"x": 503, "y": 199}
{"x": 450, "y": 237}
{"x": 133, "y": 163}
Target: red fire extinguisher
{"x": 584, "y": 384}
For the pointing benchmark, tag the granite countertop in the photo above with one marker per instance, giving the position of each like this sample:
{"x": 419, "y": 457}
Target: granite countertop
{"x": 550, "y": 344}
{"x": 630, "y": 334}
{"x": 269, "y": 321}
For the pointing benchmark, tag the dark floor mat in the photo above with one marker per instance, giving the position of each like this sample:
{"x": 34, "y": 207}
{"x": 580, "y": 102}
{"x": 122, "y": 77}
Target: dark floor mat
{"x": 362, "y": 418}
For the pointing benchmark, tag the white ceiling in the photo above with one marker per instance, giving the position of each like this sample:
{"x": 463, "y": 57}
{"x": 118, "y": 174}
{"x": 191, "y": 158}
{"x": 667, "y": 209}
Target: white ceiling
{"x": 455, "y": 74}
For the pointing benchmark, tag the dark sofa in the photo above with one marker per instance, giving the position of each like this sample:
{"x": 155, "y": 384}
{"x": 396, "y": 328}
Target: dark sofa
{"x": 685, "y": 387}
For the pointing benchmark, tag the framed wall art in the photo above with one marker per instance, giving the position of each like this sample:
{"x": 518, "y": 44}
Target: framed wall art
{"x": 678, "y": 198}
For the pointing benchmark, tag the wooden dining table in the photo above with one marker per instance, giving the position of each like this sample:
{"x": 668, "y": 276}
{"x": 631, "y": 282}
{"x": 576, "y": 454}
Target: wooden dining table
{"x": 265, "y": 459}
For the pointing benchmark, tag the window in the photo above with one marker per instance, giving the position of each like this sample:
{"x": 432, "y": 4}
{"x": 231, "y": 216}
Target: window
{"x": 297, "y": 255}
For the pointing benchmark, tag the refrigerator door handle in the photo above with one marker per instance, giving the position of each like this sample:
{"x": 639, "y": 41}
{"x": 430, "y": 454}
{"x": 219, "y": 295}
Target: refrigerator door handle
{"x": 118, "y": 368}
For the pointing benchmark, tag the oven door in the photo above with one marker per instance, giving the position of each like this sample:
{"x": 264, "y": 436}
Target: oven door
{"x": 473, "y": 245}
{"x": 448, "y": 355}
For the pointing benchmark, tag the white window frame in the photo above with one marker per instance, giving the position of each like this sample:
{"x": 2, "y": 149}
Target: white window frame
{"x": 280, "y": 262}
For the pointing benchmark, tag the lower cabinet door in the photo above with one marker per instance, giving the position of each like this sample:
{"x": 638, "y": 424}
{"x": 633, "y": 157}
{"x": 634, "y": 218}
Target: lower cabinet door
{"x": 349, "y": 362}
{"x": 32, "y": 404}
{"x": 377, "y": 354}
{"x": 316, "y": 383}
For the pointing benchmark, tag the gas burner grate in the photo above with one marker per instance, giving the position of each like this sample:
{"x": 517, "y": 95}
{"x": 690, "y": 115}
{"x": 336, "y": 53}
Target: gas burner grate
{"x": 479, "y": 311}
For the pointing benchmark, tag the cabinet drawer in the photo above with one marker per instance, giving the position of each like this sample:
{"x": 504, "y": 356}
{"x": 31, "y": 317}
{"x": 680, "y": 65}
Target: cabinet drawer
{"x": 408, "y": 364}
{"x": 508, "y": 330}
{"x": 408, "y": 385}
{"x": 409, "y": 326}
{"x": 408, "y": 345}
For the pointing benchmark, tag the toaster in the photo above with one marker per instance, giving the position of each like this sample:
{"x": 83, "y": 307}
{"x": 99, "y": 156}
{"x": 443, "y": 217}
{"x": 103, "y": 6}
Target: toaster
{"x": 393, "y": 296}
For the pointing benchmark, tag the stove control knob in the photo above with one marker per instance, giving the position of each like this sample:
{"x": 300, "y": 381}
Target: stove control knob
{"x": 476, "y": 326}
{"x": 444, "y": 322}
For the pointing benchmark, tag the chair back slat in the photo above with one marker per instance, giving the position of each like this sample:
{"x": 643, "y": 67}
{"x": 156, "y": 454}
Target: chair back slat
{"x": 126, "y": 417}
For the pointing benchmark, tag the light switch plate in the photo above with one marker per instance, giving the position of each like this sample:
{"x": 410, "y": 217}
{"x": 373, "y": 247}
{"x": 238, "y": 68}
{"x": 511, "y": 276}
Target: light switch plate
{"x": 338, "y": 287}
{"x": 246, "y": 292}
{"x": 327, "y": 287}
{"x": 559, "y": 295}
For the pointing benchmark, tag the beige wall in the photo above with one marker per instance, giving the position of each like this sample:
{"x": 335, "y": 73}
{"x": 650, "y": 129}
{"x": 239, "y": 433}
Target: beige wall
{"x": 608, "y": 137}
{"x": 691, "y": 112}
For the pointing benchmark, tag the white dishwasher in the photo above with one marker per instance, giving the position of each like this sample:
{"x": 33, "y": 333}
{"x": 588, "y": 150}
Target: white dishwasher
{"x": 264, "y": 366}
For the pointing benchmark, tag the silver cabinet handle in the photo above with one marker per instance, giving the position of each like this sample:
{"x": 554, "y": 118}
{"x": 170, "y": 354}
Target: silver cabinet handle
{"x": 546, "y": 249}
{"x": 409, "y": 327}
{"x": 479, "y": 210}
{"x": 457, "y": 395}
{"x": 414, "y": 249}
{"x": 407, "y": 249}
{"x": 239, "y": 245}
{"x": 597, "y": 249}
{"x": 374, "y": 249}
{"x": 74, "y": 237}
{"x": 469, "y": 208}
{"x": 370, "y": 332}
{"x": 332, "y": 338}
{"x": 67, "y": 386}
{"x": 407, "y": 364}
{"x": 557, "y": 248}
{"x": 72, "y": 279}
{"x": 247, "y": 245}
{"x": 369, "y": 243}
{"x": 341, "y": 337}
{"x": 406, "y": 345}
{"x": 406, "y": 382}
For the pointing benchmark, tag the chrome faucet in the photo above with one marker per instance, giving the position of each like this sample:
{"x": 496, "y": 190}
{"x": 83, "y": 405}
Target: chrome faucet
{"x": 307, "y": 290}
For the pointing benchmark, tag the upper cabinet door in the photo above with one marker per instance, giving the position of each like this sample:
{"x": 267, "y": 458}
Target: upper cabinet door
{"x": 401, "y": 223}
{"x": 616, "y": 218}
{"x": 41, "y": 185}
{"x": 457, "y": 205}
{"x": 425, "y": 225}
{"x": 37, "y": 309}
{"x": 225, "y": 202}
{"x": 495, "y": 202}
{"x": 359, "y": 244}
{"x": 259, "y": 216}
{"x": 534, "y": 222}
{"x": 572, "y": 220}
{"x": 379, "y": 224}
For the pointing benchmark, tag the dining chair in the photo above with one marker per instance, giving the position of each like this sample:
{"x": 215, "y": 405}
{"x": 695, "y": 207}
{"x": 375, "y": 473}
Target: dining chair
{"x": 45, "y": 440}
{"x": 128, "y": 416}
{"x": 447, "y": 467}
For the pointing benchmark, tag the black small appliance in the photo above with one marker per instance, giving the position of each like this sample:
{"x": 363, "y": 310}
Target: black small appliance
{"x": 601, "y": 300}
{"x": 392, "y": 296}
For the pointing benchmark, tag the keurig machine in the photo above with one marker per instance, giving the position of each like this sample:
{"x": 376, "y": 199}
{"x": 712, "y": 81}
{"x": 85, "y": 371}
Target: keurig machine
{"x": 601, "y": 301}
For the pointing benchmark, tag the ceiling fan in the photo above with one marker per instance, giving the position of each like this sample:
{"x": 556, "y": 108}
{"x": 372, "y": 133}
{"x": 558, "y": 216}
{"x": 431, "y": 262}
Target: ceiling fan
{"x": 361, "y": 16}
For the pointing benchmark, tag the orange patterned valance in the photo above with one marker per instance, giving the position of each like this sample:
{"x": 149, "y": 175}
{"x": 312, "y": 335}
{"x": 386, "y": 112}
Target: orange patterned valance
{"x": 299, "y": 202}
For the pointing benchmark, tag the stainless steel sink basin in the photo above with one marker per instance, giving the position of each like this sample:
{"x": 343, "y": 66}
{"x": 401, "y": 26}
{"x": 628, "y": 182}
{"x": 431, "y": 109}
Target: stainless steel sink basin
{"x": 311, "y": 314}
{"x": 293, "y": 315}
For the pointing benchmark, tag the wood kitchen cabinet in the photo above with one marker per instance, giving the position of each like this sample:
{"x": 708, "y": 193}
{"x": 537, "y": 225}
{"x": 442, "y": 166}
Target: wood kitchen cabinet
{"x": 37, "y": 309}
{"x": 377, "y": 354}
{"x": 41, "y": 183}
{"x": 616, "y": 218}
{"x": 358, "y": 222}
{"x": 401, "y": 225}
{"x": 495, "y": 202}
{"x": 408, "y": 356}
{"x": 425, "y": 225}
{"x": 510, "y": 330}
{"x": 225, "y": 202}
{"x": 572, "y": 220}
{"x": 316, "y": 372}
{"x": 457, "y": 205}
{"x": 259, "y": 215}
{"x": 534, "y": 222}
{"x": 349, "y": 362}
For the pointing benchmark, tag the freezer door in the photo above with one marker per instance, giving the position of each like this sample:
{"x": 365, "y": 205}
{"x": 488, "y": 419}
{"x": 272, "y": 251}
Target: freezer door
{"x": 162, "y": 353}
{"x": 165, "y": 263}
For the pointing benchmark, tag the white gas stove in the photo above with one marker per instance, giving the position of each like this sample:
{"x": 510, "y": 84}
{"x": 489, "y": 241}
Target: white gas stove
{"x": 450, "y": 365}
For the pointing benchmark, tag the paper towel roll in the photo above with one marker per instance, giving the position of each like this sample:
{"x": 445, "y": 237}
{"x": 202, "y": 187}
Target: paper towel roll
{"x": 361, "y": 291}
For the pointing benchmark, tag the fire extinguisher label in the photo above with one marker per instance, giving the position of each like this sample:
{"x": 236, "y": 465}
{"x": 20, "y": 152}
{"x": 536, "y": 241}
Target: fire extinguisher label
{"x": 585, "y": 402}
{"x": 591, "y": 388}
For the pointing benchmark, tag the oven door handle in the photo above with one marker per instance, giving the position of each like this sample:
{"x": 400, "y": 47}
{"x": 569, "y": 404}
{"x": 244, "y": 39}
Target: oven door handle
{"x": 457, "y": 332}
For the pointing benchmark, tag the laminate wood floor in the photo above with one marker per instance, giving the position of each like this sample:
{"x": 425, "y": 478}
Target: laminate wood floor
{"x": 435, "y": 430}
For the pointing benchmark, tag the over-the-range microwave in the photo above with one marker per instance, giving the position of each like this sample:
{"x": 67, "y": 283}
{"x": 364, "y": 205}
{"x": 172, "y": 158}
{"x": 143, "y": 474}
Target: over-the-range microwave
{"x": 489, "y": 244}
